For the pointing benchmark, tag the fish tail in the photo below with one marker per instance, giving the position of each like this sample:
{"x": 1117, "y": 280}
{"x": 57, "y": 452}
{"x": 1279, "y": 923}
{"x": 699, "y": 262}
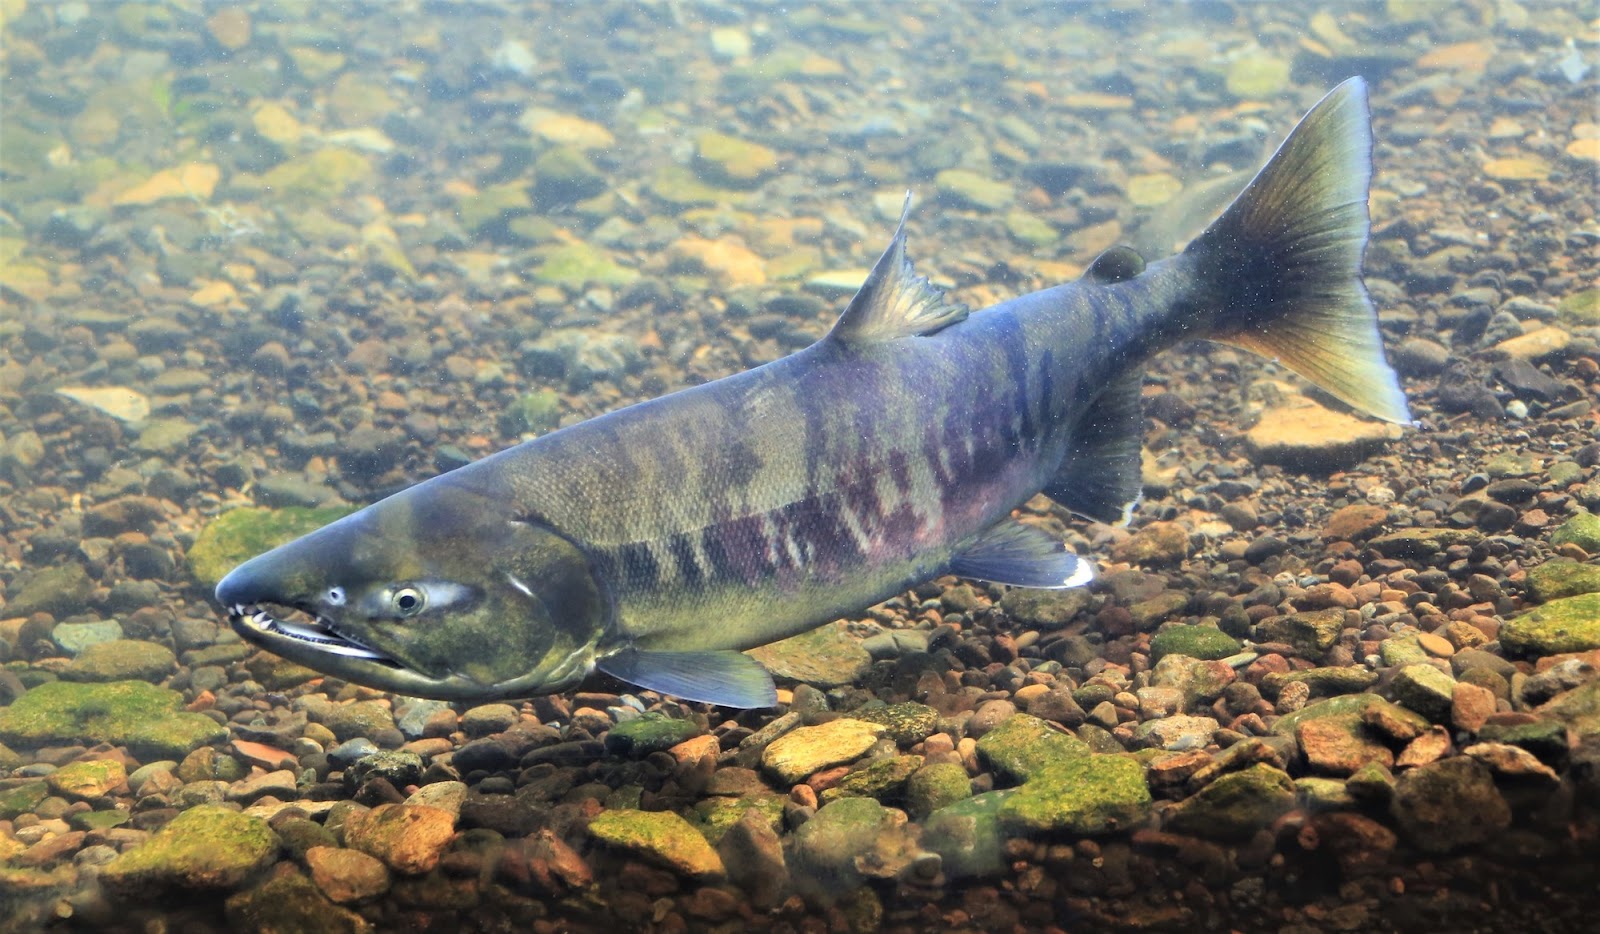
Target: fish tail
{"x": 1283, "y": 262}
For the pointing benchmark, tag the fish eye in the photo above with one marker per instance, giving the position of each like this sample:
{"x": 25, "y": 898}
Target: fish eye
{"x": 336, "y": 596}
{"x": 407, "y": 601}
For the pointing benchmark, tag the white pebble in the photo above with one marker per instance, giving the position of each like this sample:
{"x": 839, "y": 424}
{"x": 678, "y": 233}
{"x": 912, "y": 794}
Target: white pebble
{"x": 1516, "y": 408}
{"x": 1380, "y": 496}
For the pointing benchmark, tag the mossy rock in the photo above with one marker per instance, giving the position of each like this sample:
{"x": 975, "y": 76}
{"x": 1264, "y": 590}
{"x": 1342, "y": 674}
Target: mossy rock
{"x": 1085, "y": 795}
{"x": 884, "y": 779}
{"x": 647, "y": 733}
{"x": 936, "y": 786}
{"x": 1236, "y": 805}
{"x": 1023, "y": 746}
{"x": 1571, "y": 624}
{"x": 206, "y": 847}
{"x": 578, "y": 265}
{"x": 1202, "y": 642}
{"x": 241, "y": 534}
{"x": 121, "y": 660}
{"x": 22, "y": 799}
{"x": 1563, "y": 577}
{"x": 148, "y": 719}
{"x": 493, "y": 205}
{"x": 291, "y": 902}
{"x": 713, "y": 816}
{"x": 907, "y": 724}
{"x": 967, "y": 836}
{"x": 61, "y": 590}
{"x": 1311, "y": 633}
{"x": 724, "y": 158}
{"x": 1258, "y": 77}
{"x": 316, "y": 177}
{"x": 661, "y": 837}
{"x": 534, "y": 412}
{"x": 825, "y": 657}
{"x": 1581, "y": 529}
{"x": 969, "y": 189}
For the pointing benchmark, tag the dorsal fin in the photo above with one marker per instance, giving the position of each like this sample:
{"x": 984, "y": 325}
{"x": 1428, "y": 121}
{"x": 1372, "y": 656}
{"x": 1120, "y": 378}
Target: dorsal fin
{"x": 1117, "y": 264}
{"x": 895, "y": 301}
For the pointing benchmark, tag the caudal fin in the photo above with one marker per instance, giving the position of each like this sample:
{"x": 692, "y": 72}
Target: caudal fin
{"x": 1285, "y": 259}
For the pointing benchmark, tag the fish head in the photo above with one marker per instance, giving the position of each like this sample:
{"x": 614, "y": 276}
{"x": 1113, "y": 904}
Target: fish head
{"x": 433, "y": 592}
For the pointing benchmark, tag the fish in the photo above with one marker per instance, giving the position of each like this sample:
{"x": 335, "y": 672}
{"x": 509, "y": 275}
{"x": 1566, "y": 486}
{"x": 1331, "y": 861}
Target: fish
{"x": 657, "y": 542}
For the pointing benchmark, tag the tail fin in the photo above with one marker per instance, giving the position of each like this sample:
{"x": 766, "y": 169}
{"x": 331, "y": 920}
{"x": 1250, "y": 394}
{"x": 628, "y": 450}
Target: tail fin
{"x": 1285, "y": 258}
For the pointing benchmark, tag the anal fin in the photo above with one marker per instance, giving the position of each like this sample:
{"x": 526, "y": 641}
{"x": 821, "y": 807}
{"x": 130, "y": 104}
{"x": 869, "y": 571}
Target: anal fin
{"x": 1021, "y": 555}
{"x": 726, "y": 677}
{"x": 1100, "y": 476}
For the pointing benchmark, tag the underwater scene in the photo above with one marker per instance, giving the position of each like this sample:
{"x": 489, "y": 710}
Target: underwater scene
{"x": 971, "y": 467}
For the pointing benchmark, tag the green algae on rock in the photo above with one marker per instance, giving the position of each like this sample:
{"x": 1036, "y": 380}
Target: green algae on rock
{"x": 967, "y": 836}
{"x": 21, "y": 799}
{"x": 1570, "y": 624}
{"x": 148, "y": 719}
{"x": 1235, "y": 805}
{"x": 1563, "y": 577}
{"x": 243, "y": 533}
{"x": 647, "y": 733}
{"x": 121, "y": 660}
{"x": 1202, "y": 642}
{"x": 1582, "y": 529}
{"x": 61, "y": 590}
{"x": 206, "y": 847}
{"x": 713, "y": 817}
{"x": 1449, "y": 804}
{"x": 1311, "y": 633}
{"x": 969, "y": 189}
{"x": 661, "y": 837}
{"x": 724, "y": 158}
{"x": 288, "y": 901}
{"x": 1023, "y": 746}
{"x": 87, "y": 779}
{"x": 1084, "y": 795}
{"x": 884, "y": 779}
{"x": 579, "y": 265}
{"x": 906, "y": 723}
{"x": 824, "y": 657}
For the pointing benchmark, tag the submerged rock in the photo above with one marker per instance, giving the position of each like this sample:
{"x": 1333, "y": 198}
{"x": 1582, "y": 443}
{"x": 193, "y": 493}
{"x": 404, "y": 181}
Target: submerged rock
{"x": 797, "y": 754}
{"x": 1235, "y": 805}
{"x": 1084, "y": 795}
{"x": 206, "y": 847}
{"x": 661, "y": 837}
{"x": 1449, "y": 804}
{"x": 149, "y": 720}
{"x": 1023, "y": 746}
{"x": 825, "y": 657}
{"x": 408, "y": 838}
{"x": 122, "y": 660}
{"x": 1571, "y": 624}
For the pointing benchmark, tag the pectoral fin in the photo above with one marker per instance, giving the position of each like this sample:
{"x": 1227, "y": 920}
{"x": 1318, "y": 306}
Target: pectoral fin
{"x": 1013, "y": 553}
{"x": 727, "y": 678}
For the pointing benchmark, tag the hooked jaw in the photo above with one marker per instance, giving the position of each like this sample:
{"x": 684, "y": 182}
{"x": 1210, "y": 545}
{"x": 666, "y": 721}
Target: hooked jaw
{"x": 300, "y": 633}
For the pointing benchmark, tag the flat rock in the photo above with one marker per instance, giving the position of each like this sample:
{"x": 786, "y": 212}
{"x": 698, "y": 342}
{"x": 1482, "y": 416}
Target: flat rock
{"x": 1571, "y": 624}
{"x": 1303, "y": 435}
{"x": 795, "y": 755}
{"x": 824, "y": 657}
{"x": 205, "y": 847}
{"x": 661, "y": 837}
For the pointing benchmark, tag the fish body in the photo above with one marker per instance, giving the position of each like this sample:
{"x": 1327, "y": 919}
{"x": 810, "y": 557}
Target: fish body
{"x": 656, "y": 541}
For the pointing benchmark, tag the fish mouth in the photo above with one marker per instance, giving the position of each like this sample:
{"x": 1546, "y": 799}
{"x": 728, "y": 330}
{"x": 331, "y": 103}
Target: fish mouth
{"x": 305, "y": 628}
